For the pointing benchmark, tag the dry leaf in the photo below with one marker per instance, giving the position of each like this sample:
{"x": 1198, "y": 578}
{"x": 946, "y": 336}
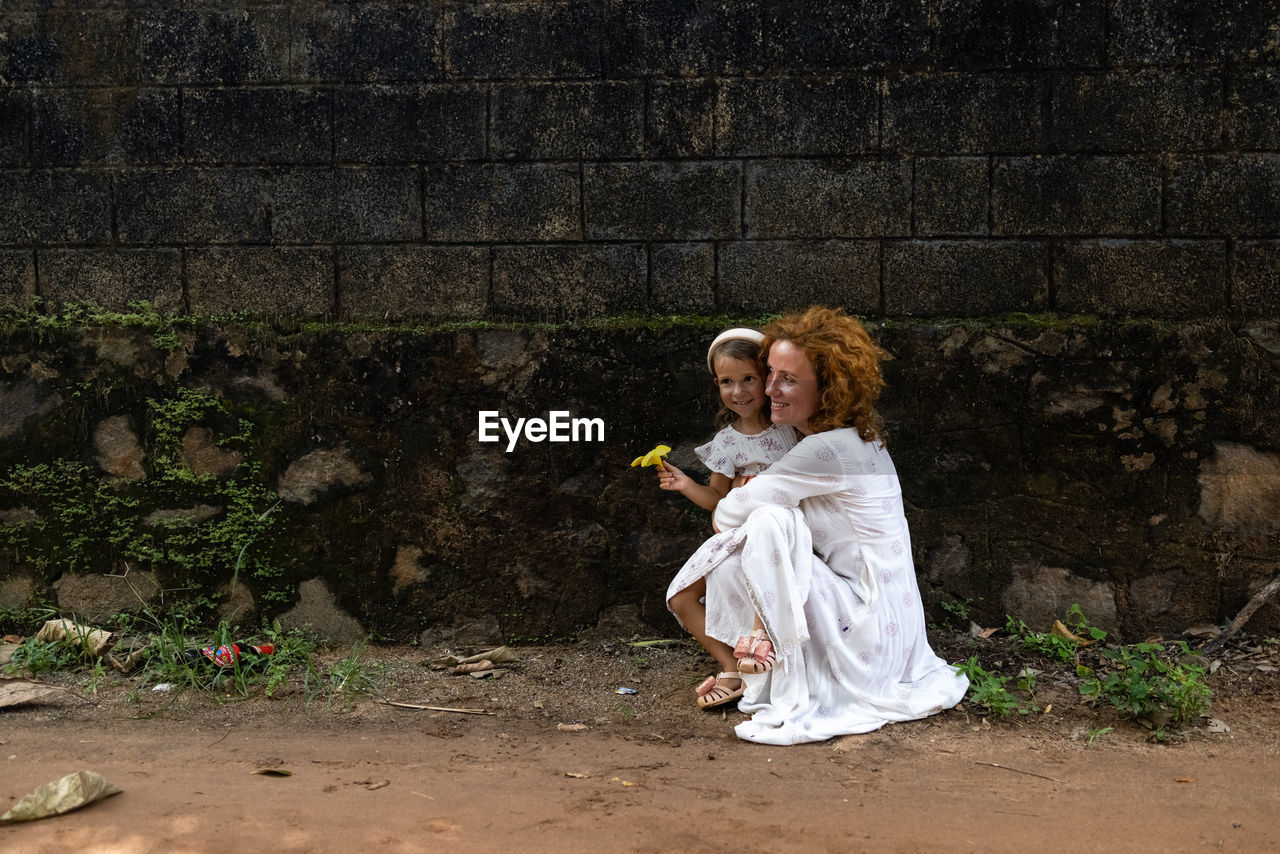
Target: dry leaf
{"x": 61, "y": 796}
{"x": 1185, "y": 780}
{"x": 571, "y": 727}
{"x": 986, "y": 633}
{"x": 1060, "y": 629}
{"x": 15, "y": 691}
{"x": 576, "y": 775}
{"x": 273, "y": 772}
{"x": 373, "y": 787}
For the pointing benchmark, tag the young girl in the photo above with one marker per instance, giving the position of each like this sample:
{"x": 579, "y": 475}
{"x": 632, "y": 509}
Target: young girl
{"x": 745, "y": 446}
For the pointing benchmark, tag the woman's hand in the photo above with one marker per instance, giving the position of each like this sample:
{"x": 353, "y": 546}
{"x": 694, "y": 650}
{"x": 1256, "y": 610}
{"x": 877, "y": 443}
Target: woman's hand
{"x": 671, "y": 478}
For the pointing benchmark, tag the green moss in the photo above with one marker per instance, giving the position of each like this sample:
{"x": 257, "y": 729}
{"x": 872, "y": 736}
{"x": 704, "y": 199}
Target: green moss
{"x": 85, "y": 522}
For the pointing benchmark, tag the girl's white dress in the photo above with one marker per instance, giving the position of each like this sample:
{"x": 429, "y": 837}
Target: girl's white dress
{"x": 818, "y": 546}
{"x": 732, "y": 453}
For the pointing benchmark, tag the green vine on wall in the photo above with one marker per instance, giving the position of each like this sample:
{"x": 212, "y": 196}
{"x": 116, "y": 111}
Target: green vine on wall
{"x": 79, "y": 520}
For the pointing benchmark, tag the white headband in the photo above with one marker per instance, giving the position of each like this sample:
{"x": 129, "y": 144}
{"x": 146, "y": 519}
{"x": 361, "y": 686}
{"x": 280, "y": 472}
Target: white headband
{"x": 729, "y": 335}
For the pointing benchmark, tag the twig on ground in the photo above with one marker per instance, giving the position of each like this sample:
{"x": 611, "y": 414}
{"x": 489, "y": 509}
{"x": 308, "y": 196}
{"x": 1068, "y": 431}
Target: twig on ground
{"x": 1020, "y": 771}
{"x": 1259, "y": 599}
{"x": 435, "y": 708}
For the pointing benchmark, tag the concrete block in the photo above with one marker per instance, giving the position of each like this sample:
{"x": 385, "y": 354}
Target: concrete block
{"x": 54, "y": 207}
{"x": 105, "y": 126}
{"x": 1151, "y": 32}
{"x": 345, "y": 205}
{"x": 502, "y": 202}
{"x": 191, "y": 205}
{"x": 678, "y": 118}
{"x": 973, "y": 113}
{"x": 1177, "y": 279}
{"x": 1036, "y": 34}
{"x": 826, "y": 35}
{"x": 1255, "y": 278}
{"x": 568, "y": 121}
{"x": 568, "y": 282}
{"x": 965, "y": 278}
{"x": 1075, "y": 195}
{"x": 797, "y": 116}
{"x": 682, "y": 278}
{"x": 215, "y": 45}
{"x": 1134, "y": 111}
{"x": 661, "y": 201}
{"x": 951, "y": 196}
{"x": 260, "y": 280}
{"x": 827, "y": 198}
{"x": 395, "y": 282}
{"x": 1231, "y": 195}
{"x": 409, "y": 123}
{"x": 675, "y": 38}
{"x": 367, "y": 42}
{"x": 17, "y": 278}
{"x": 15, "y": 113}
{"x": 1252, "y": 115}
{"x": 112, "y": 278}
{"x": 791, "y": 275}
{"x": 257, "y": 125}
{"x": 54, "y": 47}
{"x": 523, "y": 40}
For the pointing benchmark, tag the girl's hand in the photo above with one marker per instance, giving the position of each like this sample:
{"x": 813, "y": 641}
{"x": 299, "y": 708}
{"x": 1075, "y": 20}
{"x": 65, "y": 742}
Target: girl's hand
{"x": 671, "y": 478}
{"x": 738, "y": 480}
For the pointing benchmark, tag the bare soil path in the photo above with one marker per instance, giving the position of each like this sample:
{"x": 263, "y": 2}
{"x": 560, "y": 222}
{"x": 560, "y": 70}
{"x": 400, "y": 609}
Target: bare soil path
{"x": 649, "y": 773}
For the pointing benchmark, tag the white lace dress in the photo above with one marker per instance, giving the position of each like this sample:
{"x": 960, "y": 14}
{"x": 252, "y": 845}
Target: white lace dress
{"x": 818, "y": 546}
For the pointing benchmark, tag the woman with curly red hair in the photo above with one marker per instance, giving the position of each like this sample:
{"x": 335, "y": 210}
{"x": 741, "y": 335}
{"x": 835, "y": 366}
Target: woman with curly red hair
{"x": 808, "y": 591}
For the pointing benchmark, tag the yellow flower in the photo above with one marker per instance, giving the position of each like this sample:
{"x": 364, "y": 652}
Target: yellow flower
{"x": 652, "y": 458}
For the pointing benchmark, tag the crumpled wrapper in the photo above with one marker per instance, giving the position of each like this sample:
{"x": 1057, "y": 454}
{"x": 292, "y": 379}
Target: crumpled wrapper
{"x": 96, "y": 641}
{"x": 501, "y": 655}
{"x": 61, "y": 796}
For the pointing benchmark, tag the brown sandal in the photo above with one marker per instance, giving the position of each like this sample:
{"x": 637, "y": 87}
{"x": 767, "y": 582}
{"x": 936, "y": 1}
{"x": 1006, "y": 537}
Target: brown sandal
{"x": 712, "y": 694}
{"x": 758, "y": 656}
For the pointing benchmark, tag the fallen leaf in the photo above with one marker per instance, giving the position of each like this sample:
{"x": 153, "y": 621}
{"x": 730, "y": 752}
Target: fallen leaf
{"x": 1185, "y": 780}
{"x": 571, "y": 727}
{"x": 373, "y": 787}
{"x": 1060, "y": 629}
{"x": 15, "y": 691}
{"x": 986, "y": 633}
{"x": 71, "y": 792}
{"x": 273, "y": 772}
{"x": 1202, "y": 630}
{"x": 14, "y": 638}
{"x": 576, "y": 775}
{"x": 1267, "y": 668}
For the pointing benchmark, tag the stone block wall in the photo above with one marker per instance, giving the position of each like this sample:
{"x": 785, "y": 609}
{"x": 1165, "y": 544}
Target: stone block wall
{"x": 575, "y": 158}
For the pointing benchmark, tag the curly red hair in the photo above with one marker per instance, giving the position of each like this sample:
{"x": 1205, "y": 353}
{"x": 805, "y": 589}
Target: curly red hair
{"x": 846, "y": 362}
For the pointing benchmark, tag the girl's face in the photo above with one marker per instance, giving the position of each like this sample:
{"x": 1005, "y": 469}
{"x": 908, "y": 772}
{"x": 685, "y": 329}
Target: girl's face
{"x": 792, "y": 386}
{"x": 741, "y": 390}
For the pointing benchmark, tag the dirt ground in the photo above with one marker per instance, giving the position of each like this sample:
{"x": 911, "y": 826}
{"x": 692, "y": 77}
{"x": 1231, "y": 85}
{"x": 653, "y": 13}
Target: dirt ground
{"x": 649, "y": 773}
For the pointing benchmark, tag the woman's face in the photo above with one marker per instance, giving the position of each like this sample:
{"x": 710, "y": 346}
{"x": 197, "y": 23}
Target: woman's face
{"x": 792, "y": 386}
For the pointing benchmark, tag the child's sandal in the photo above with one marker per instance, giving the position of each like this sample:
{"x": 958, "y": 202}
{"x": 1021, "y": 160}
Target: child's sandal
{"x": 712, "y": 694}
{"x": 759, "y": 657}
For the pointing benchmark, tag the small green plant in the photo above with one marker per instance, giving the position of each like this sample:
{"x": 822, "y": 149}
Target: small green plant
{"x": 957, "y": 612}
{"x": 348, "y": 679}
{"x": 991, "y": 691}
{"x": 1143, "y": 681}
{"x": 1054, "y": 646}
{"x": 1096, "y": 734}
{"x": 36, "y": 657}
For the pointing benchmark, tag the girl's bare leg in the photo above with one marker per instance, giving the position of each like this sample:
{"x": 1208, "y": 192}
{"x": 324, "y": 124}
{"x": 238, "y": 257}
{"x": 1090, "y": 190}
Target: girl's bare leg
{"x": 692, "y": 614}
